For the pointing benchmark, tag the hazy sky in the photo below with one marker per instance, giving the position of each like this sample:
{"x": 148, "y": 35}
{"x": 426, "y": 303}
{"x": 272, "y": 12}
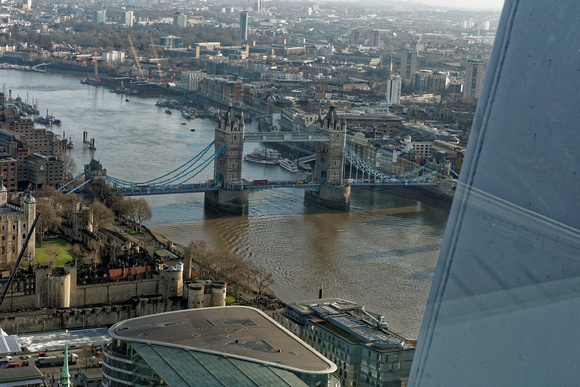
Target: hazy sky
{"x": 469, "y": 4}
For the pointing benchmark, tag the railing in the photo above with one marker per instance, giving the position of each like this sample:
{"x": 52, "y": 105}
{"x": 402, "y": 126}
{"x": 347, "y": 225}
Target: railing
{"x": 285, "y": 136}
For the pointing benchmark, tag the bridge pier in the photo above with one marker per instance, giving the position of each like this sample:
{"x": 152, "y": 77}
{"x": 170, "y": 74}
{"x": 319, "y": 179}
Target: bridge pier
{"x": 331, "y": 197}
{"x": 227, "y": 202}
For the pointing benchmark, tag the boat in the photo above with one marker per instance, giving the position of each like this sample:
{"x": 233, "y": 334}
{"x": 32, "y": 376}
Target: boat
{"x": 263, "y": 156}
{"x": 183, "y": 123}
{"x": 304, "y": 166}
{"x": 168, "y": 111}
{"x": 288, "y": 165}
{"x": 193, "y": 130}
{"x": 127, "y": 100}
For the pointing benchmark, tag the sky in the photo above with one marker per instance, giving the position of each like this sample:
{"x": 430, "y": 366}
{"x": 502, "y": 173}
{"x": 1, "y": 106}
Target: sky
{"x": 465, "y": 4}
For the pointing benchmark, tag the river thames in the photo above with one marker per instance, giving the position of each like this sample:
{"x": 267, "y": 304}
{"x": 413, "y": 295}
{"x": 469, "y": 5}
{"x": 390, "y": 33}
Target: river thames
{"x": 381, "y": 254}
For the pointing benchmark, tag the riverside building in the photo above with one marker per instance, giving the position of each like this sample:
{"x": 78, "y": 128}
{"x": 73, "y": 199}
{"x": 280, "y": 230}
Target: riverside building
{"x": 227, "y": 346}
{"x": 359, "y": 343}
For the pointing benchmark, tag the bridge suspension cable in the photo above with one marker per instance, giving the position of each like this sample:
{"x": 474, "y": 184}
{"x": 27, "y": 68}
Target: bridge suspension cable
{"x": 364, "y": 167}
{"x": 179, "y": 175}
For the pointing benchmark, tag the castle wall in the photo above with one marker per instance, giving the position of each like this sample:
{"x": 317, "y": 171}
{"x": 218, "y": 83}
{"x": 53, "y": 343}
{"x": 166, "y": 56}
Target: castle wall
{"x": 80, "y": 318}
{"x": 113, "y": 292}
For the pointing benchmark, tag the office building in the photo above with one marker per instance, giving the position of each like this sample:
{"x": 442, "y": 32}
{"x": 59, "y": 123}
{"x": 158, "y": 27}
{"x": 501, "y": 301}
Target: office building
{"x": 258, "y": 6}
{"x": 222, "y": 346}
{"x": 180, "y": 20}
{"x": 375, "y": 39}
{"x": 474, "y": 75}
{"x": 408, "y": 66}
{"x": 171, "y": 41}
{"x": 100, "y": 17}
{"x": 244, "y": 25}
{"x": 127, "y": 18}
{"x": 354, "y": 36}
{"x": 393, "y": 90}
{"x": 359, "y": 343}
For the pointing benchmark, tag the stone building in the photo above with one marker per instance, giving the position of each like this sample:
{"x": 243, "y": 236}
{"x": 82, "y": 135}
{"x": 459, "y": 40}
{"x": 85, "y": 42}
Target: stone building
{"x": 15, "y": 223}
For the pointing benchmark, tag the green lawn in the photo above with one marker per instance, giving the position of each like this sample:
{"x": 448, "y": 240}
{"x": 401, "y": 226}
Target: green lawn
{"x": 61, "y": 245}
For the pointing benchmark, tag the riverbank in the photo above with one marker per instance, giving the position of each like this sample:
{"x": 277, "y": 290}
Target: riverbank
{"x": 148, "y": 238}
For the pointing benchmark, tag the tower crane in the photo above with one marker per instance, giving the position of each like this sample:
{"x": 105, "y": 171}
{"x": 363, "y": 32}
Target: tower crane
{"x": 97, "y": 80}
{"x": 155, "y": 56}
{"x": 135, "y": 55}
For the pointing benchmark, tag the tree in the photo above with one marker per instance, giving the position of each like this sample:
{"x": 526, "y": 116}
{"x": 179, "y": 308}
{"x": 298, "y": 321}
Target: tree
{"x": 47, "y": 220}
{"x": 262, "y": 278}
{"x": 143, "y": 212}
{"x": 98, "y": 215}
{"x": 101, "y": 192}
{"x": 137, "y": 211}
{"x": 70, "y": 166}
{"x": 76, "y": 251}
{"x": 51, "y": 255}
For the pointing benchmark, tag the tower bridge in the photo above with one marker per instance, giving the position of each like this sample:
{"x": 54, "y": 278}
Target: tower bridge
{"x": 228, "y": 191}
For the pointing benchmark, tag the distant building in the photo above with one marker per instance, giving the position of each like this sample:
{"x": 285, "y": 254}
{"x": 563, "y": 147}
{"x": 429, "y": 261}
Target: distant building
{"x": 228, "y": 346}
{"x": 190, "y": 79}
{"x": 114, "y": 56}
{"x": 26, "y": 4}
{"x": 393, "y": 90}
{"x": 180, "y": 20}
{"x": 258, "y": 6}
{"x": 364, "y": 350}
{"x": 171, "y": 41}
{"x": 244, "y": 25}
{"x": 127, "y": 18}
{"x": 100, "y": 17}
{"x": 354, "y": 37}
{"x": 375, "y": 39}
{"x": 9, "y": 172}
{"x": 473, "y": 83}
{"x": 408, "y": 66}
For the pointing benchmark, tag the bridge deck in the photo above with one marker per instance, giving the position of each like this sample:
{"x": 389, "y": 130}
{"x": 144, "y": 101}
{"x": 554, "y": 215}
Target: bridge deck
{"x": 284, "y": 136}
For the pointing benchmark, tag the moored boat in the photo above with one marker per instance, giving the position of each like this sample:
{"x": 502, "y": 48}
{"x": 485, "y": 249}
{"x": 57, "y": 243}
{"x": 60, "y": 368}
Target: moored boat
{"x": 263, "y": 156}
{"x": 288, "y": 165}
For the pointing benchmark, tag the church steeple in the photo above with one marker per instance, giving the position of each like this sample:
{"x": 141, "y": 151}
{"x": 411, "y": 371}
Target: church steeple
{"x": 65, "y": 376}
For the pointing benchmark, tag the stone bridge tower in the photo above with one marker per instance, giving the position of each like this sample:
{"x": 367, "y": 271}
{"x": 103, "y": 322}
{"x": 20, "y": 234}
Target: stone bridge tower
{"x": 230, "y": 198}
{"x": 329, "y": 170}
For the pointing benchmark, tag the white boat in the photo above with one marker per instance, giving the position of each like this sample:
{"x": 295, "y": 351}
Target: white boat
{"x": 288, "y": 165}
{"x": 263, "y": 156}
{"x": 304, "y": 166}
{"x": 260, "y": 160}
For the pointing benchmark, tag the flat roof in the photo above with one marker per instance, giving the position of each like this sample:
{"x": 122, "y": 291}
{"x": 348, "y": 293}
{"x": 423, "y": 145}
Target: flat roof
{"x": 232, "y": 331}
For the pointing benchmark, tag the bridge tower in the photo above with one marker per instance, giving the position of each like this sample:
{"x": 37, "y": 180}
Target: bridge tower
{"x": 230, "y": 198}
{"x": 329, "y": 170}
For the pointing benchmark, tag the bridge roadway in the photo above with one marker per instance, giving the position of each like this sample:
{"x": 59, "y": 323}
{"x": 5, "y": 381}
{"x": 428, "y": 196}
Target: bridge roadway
{"x": 259, "y": 185}
{"x": 285, "y": 136}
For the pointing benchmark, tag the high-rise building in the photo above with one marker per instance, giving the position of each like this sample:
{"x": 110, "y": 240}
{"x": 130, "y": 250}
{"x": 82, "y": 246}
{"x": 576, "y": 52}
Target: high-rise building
{"x": 100, "y": 17}
{"x": 474, "y": 74}
{"x": 180, "y": 20}
{"x": 408, "y": 66}
{"x": 375, "y": 38}
{"x": 26, "y": 4}
{"x": 244, "y": 25}
{"x": 258, "y": 6}
{"x": 393, "y": 89}
{"x": 127, "y": 18}
{"x": 354, "y": 36}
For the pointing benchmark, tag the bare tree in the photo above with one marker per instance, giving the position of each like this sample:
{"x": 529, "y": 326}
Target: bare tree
{"x": 47, "y": 220}
{"x": 70, "y": 167}
{"x": 262, "y": 278}
{"x": 98, "y": 215}
{"x": 143, "y": 212}
{"x": 51, "y": 255}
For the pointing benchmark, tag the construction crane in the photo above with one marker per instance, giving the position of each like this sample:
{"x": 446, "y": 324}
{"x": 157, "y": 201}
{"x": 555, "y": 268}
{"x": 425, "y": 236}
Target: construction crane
{"x": 135, "y": 55}
{"x": 155, "y": 56}
{"x": 97, "y": 80}
{"x": 15, "y": 268}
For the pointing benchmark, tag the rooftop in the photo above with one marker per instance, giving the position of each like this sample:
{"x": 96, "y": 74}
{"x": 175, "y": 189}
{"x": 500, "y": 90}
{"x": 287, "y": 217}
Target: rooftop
{"x": 232, "y": 331}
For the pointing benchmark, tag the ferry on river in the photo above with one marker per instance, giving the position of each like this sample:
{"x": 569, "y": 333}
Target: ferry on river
{"x": 263, "y": 156}
{"x": 288, "y": 165}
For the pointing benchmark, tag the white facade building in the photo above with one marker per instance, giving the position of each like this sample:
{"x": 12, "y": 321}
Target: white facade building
{"x": 393, "y": 90}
